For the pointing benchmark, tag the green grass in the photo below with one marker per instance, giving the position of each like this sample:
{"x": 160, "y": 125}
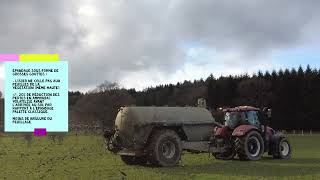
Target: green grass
{"x": 84, "y": 157}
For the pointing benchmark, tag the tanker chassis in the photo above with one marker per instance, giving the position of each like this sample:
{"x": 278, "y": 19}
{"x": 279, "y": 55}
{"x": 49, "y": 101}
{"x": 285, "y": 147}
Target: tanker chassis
{"x": 159, "y": 134}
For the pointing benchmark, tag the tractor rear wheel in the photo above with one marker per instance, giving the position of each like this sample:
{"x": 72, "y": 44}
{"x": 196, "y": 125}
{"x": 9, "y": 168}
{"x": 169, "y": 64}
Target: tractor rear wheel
{"x": 282, "y": 149}
{"x": 164, "y": 148}
{"x": 250, "y": 146}
{"x": 133, "y": 160}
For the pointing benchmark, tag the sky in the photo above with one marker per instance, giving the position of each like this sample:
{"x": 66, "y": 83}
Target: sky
{"x": 145, "y": 43}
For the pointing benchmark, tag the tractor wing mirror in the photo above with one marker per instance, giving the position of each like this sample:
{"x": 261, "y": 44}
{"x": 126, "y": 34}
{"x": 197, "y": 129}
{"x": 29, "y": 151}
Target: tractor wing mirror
{"x": 268, "y": 113}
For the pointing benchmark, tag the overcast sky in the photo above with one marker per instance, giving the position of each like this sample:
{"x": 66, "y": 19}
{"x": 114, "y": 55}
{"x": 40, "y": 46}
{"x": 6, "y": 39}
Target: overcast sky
{"x": 148, "y": 42}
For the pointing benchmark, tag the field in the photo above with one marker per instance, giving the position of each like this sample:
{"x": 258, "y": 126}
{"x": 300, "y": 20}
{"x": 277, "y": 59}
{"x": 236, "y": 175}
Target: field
{"x": 84, "y": 157}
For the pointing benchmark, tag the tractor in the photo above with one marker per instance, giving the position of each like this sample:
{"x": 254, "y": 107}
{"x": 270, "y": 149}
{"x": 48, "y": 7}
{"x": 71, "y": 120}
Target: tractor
{"x": 245, "y": 133}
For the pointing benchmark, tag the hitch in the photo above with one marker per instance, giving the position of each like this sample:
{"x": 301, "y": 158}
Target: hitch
{"x": 108, "y": 133}
{"x": 112, "y": 140}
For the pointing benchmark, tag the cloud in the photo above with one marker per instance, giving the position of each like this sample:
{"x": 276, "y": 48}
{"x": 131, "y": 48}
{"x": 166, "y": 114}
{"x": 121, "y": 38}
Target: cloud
{"x": 33, "y": 26}
{"x": 250, "y": 27}
{"x": 147, "y": 42}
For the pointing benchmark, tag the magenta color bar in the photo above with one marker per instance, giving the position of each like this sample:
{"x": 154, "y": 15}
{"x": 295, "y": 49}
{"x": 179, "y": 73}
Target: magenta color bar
{"x": 40, "y": 131}
{"x": 9, "y": 57}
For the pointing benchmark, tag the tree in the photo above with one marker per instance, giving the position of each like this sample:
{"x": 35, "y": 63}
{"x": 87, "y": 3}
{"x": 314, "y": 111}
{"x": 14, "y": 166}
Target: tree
{"x": 254, "y": 92}
{"x": 106, "y": 86}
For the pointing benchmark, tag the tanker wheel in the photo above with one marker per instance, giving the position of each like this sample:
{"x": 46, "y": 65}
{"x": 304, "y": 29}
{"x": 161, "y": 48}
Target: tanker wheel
{"x": 283, "y": 149}
{"x": 164, "y": 148}
{"x": 250, "y": 146}
{"x": 134, "y": 160}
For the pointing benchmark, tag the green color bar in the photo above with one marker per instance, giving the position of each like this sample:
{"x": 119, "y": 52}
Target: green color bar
{"x": 38, "y": 57}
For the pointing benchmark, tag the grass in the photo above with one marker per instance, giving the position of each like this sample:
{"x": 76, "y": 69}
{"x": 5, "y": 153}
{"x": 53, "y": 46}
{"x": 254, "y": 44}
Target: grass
{"x": 84, "y": 157}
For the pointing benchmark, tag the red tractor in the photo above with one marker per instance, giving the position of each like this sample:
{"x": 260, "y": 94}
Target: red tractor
{"x": 245, "y": 133}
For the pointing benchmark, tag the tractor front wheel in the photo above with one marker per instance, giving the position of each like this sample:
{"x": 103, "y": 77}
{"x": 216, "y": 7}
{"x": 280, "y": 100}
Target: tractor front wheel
{"x": 250, "y": 146}
{"x": 282, "y": 149}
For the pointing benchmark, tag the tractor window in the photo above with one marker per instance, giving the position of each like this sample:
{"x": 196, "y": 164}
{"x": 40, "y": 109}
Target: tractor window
{"x": 233, "y": 119}
{"x": 253, "y": 118}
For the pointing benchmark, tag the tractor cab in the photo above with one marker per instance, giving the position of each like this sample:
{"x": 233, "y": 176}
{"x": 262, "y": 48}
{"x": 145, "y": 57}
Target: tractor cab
{"x": 243, "y": 115}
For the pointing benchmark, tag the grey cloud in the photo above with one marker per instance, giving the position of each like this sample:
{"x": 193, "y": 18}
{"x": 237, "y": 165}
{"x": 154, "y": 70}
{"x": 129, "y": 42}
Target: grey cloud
{"x": 152, "y": 34}
{"x": 141, "y": 39}
{"x": 36, "y": 26}
{"x": 248, "y": 26}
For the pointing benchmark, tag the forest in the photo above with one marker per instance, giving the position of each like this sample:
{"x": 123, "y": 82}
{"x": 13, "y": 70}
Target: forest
{"x": 293, "y": 95}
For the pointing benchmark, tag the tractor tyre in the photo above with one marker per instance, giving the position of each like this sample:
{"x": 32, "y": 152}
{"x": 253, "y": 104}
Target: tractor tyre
{"x": 134, "y": 160}
{"x": 164, "y": 148}
{"x": 282, "y": 149}
{"x": 250, "y": 146}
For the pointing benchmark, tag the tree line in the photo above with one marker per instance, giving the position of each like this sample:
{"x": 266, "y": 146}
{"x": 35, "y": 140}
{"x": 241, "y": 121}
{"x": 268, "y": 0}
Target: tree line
{"x": 293, "y": 95}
